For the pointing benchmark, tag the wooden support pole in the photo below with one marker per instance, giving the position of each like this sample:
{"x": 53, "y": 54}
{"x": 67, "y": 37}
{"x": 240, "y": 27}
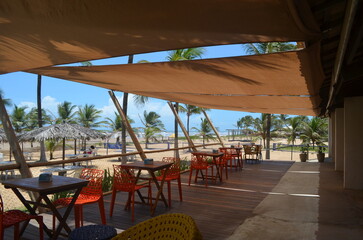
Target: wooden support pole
{"x": 15, "y": 147}
{"x": 214, "y": 129}
{"x": 190, "y": 142}
{"x": 13, "y": 142}
{"x": 128, "y": 126}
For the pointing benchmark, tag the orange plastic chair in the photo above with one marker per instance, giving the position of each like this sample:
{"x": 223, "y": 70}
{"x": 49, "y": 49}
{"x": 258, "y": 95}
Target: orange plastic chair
{"x": 90, "y": 194}
{"x": 223, "y": 161}
{"x": 124, "y": 180}
{"x": 199, "y": 163}
{"x": 172, "y": 174}
{"x": 14, "y": 218}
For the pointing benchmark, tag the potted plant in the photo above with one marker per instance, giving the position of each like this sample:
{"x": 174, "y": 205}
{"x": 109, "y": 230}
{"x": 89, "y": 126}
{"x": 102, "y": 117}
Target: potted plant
{"x": 304, "y": 153}
{"x": 320, "y": 154}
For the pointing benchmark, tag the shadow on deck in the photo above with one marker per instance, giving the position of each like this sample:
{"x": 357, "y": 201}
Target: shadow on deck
{"x": 218, "y": 210}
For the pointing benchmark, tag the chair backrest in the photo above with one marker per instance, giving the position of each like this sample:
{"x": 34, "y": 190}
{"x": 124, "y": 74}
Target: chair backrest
{"x": 95, "y": 178}
{"x": 247, "y": 149}
{"x": 258, "y": 148}
{"x": 174, "y": 226}
{"x": 227, "y": 153}
{"x": 199, "y": 160}
{"x": 123, "y": 178}
{"x": 174, "y": 170}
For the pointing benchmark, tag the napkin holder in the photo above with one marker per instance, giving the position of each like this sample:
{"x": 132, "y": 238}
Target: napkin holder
{"x": 148, "y": 161}
{"x": 215, "y": 151}
{"x": 45, "y": 177}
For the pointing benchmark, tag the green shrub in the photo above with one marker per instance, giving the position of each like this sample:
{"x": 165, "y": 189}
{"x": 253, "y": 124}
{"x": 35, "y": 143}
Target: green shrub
{"x": 107, "y": 181}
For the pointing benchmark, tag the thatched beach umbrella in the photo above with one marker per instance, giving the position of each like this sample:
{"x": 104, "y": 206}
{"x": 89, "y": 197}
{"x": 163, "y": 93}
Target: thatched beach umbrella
{"x": 61, "y": 131}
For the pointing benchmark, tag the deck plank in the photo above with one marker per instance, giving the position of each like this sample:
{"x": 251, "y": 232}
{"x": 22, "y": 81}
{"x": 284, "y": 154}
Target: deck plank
{"x": 218, "y": 210}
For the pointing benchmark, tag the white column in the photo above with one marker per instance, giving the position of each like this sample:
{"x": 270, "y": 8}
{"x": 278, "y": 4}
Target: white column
{"x": 332, "y": 136}
{"x": 339, "y": 139}
{"x": 353, "y": 142}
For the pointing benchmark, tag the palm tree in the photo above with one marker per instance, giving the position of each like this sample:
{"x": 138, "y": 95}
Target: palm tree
{"x": 19, "y": 118}
{"x": 116, "y": 124}
{"x": 6, "y": 101}
{"x": 152, "y": 125}
{"x": 205, "y": 130}
{"x": 261, "y": 126}
{"x": 293, "y": 129}
{"x": 88, "y": 116}
{"x": 32, "y": 118}
{"x": 51, "y": 145}
{"x": 264, "y": 48}
{"x": 66, "y": 112}
{"x": 315, "y": 131}
{"x": 190, "y": 110}
{"x": 180, "y": 55}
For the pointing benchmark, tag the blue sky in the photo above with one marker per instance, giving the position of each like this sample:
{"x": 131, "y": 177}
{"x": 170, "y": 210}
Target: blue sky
{"x": 21, "y": 87}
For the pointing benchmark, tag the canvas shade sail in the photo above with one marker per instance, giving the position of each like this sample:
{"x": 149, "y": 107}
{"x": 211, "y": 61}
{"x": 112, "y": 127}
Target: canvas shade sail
{"x": 274, "y": 83}
{"x": 42, "y": 33}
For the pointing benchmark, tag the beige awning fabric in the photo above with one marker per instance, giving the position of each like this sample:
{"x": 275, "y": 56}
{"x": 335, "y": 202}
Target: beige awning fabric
{"x": 42, "y": 33}
{"x": 273, "y": 83}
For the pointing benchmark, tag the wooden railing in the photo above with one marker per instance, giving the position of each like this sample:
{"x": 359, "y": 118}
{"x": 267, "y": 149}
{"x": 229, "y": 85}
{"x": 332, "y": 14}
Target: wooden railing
{"x": 57, "y": 162}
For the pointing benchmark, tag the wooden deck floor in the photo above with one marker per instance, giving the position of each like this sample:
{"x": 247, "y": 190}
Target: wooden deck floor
{"x": 218, "y": 210}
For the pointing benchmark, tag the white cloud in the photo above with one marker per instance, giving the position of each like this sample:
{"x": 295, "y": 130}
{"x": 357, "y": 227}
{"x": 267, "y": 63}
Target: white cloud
{"x": 30, "y": 105}
{"x": 50, "y": 103}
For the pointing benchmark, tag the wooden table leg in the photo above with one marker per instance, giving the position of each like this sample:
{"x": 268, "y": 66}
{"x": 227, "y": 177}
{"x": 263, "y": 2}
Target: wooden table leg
{"x": 217, "y": 169}
{"x": 62, "y": 220}
{"x": 160, "y": 190}
{"x": 31, "y": 210}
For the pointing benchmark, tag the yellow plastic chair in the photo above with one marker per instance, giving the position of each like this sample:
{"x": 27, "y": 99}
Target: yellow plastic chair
{"x": 174, "y": 226}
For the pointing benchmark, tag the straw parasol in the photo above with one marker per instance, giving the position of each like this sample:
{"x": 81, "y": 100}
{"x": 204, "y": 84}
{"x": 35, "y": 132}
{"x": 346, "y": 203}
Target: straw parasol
{"x": 61, "y": 131}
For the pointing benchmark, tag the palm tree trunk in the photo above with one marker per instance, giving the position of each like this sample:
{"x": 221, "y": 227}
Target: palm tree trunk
{"x": 43, "y": 157}
{"x": 124, "y": 106}
{"x": 268, "y": 136}
{"x": 176, "y": 142}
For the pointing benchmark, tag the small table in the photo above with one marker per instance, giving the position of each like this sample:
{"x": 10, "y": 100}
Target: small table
{"x": 152, "y": 168}
{"x": 59, "y": 184}
{"x": 62, "y": 170}
{"x": 215, "y": 156}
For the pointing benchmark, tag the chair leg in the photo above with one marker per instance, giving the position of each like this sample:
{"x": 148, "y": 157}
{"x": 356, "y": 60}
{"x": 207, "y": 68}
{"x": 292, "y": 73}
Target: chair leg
{"x": 180, "y": 189}
{"x": 40, "y": 222}
{"x": 190, "y": 175}
{"x": 127, "y": 206}
{"x": 101, "y": 205}
{"x": 169, "y": 193}
{"x": 132, "y": 206}
{"x": 226, "y": 168}
{"x": 206, "y": 176}
{"x": 196, "y": 175}
{"x": 113, "y": 199}
{"x": 81, "y": 215}
{"x": 77, "y": 215}
{"x": 16, "y": 231}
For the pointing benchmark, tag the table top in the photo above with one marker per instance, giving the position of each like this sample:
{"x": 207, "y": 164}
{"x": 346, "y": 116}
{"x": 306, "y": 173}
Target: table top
{"x": 58, "y": 184}
{"x": 156, "y": 165}
{"x": 210, "y": 154}
{"x": 237, "y": 148}
{"x": 61, "y": 169}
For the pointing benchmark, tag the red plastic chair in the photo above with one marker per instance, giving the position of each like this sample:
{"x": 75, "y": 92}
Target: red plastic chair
{"x": 172, "y": 174}
{"x": 223, "y": 161}
{"x": 14, "y": 218}
{"x": 199, "y": 163}
{"x": 90, "y": 194}
{"x": 124, "y": 180}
